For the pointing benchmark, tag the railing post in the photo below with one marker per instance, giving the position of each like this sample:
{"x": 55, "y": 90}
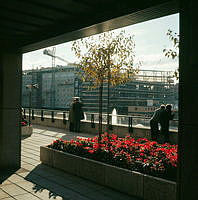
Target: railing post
{"x": 42, "y": 118}
{"x": 33, "y": 114}
{"x": 130, "y": 125}
{"x": 64, "y": 118}
{"x": 52, "y": 116}
{"x": 24, "y": 115}
{"x": 110, "y": 123}
{"x": 92, "y": 121}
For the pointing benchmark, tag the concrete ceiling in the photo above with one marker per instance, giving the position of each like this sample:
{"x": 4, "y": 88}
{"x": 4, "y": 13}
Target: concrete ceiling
{"x": 34, "y": 24}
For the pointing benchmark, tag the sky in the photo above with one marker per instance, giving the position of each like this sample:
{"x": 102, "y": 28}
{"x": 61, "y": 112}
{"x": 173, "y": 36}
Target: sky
{"x": 150, "y": 40}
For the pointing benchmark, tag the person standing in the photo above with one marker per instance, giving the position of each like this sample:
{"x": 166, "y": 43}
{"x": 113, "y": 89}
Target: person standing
{"x": 154, "y": 122}
{"x": 75, "y": 115}
{"x": 166, "y": 116}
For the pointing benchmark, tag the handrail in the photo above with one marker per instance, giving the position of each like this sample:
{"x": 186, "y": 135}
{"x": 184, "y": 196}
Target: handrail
{"x": 120, "y": 120}
{"x": 89, "y": 113}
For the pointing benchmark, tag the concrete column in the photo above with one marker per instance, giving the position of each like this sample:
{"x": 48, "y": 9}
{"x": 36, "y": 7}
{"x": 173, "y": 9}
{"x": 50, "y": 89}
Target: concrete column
{"x": 10, "y": 102}
{"x": 188, "y": 102}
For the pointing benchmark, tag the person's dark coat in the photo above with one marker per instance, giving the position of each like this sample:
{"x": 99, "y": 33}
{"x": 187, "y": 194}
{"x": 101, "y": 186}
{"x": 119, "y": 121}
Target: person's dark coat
{"x": 166, "y": 116}
{"x": 154, "y": 122}
{"x": 75, "y": 115}
{"x": 76, "y": 112}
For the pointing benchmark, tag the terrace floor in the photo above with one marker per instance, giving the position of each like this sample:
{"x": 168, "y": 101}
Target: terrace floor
{"x": 36, "y": 181}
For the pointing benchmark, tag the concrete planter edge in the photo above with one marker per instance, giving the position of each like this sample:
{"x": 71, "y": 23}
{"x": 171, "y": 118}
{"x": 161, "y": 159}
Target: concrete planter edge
{"x": 26, "y": 130}
{"x": 130, "y": 182}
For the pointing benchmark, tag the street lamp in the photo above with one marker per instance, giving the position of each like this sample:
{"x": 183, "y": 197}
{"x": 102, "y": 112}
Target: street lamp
{"x": 30, "y": 87}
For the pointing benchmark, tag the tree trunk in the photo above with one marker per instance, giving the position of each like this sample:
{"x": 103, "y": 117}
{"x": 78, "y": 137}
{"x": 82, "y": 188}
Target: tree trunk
{"x": 100, "y": 111}
{"x": 108, "y": 94}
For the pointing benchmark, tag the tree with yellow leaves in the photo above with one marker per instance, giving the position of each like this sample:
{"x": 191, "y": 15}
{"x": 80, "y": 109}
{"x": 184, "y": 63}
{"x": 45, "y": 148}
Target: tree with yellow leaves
{"x": 106, "y": 58}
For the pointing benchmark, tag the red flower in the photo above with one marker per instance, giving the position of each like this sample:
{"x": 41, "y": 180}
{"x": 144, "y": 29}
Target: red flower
{"x": 124, "y": 152}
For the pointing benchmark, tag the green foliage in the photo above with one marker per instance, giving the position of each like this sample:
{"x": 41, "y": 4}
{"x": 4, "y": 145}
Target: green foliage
{"x": 174, "y": 51}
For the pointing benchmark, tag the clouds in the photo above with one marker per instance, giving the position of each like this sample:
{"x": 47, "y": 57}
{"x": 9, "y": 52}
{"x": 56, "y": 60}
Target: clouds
{"x": 150, "y": 39}
{"x": 38, "y": 59}
{"x": 157, "y": 61}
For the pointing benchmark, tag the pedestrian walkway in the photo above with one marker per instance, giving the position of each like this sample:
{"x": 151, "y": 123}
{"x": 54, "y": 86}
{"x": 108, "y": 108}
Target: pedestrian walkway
{"x": 36, "y": 181}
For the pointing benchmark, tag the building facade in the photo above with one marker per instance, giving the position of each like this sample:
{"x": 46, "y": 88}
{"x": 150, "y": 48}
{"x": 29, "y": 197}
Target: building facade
{"x": 141, "y": 96}
{"x": 51, "y": 93}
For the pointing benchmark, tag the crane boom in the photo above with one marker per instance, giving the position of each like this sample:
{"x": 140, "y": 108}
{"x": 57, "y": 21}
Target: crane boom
{"x": 50, "y": 53}
{"x": 61, "y": 59}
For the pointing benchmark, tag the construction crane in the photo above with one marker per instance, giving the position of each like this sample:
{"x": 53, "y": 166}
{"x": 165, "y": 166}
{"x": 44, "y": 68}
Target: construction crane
{"x": 52, "y": 53}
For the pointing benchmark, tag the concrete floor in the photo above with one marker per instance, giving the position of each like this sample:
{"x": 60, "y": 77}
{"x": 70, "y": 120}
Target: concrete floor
{"x": 36, "y": 181}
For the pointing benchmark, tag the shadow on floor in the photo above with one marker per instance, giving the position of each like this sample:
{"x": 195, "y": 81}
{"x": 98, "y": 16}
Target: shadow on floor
{"x": 50, "y": 183}
{"x": 24, "y": 137}
{"x": 4, "y": 175}
{"x": 57, "y": 184}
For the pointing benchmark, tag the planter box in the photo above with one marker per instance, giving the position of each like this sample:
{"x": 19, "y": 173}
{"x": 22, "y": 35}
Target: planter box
{"x": 123, "y": 180}
{"x": 26, "y": 130}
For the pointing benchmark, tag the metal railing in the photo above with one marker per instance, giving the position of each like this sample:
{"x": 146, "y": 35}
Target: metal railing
{"x": 127, "y": 120}
{"x": 120, "y": 120}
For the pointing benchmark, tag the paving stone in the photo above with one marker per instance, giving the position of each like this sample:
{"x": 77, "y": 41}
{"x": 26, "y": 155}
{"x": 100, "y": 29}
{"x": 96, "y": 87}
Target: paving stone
{"x": 24, "y": 174}
{"x": 26, "y": 197}
{"x": 27, "y": 185}
{"x": 3, "y": 194}
{"x": 15, "y": 178}
{"x": 31, "y": 161}
{"x": 32, "y": 152}
{"x": 13, "y": 190}
{"x": 6, "y": 182}
{"x": 21, "y": 170}
{"x": 31, "y": 156}
{"x": 28, "y": 167}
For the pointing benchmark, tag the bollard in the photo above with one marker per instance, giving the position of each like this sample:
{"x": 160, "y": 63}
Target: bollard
{"x": 24, "y": 116}
{"x": 110, "y": 123}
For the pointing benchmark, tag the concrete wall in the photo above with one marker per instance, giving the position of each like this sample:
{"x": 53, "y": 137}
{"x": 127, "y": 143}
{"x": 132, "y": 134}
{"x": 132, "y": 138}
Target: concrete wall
{"x": 10, "y": 93}
{"x": 86, "y": 127}
{"x": 188, "y": 101}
